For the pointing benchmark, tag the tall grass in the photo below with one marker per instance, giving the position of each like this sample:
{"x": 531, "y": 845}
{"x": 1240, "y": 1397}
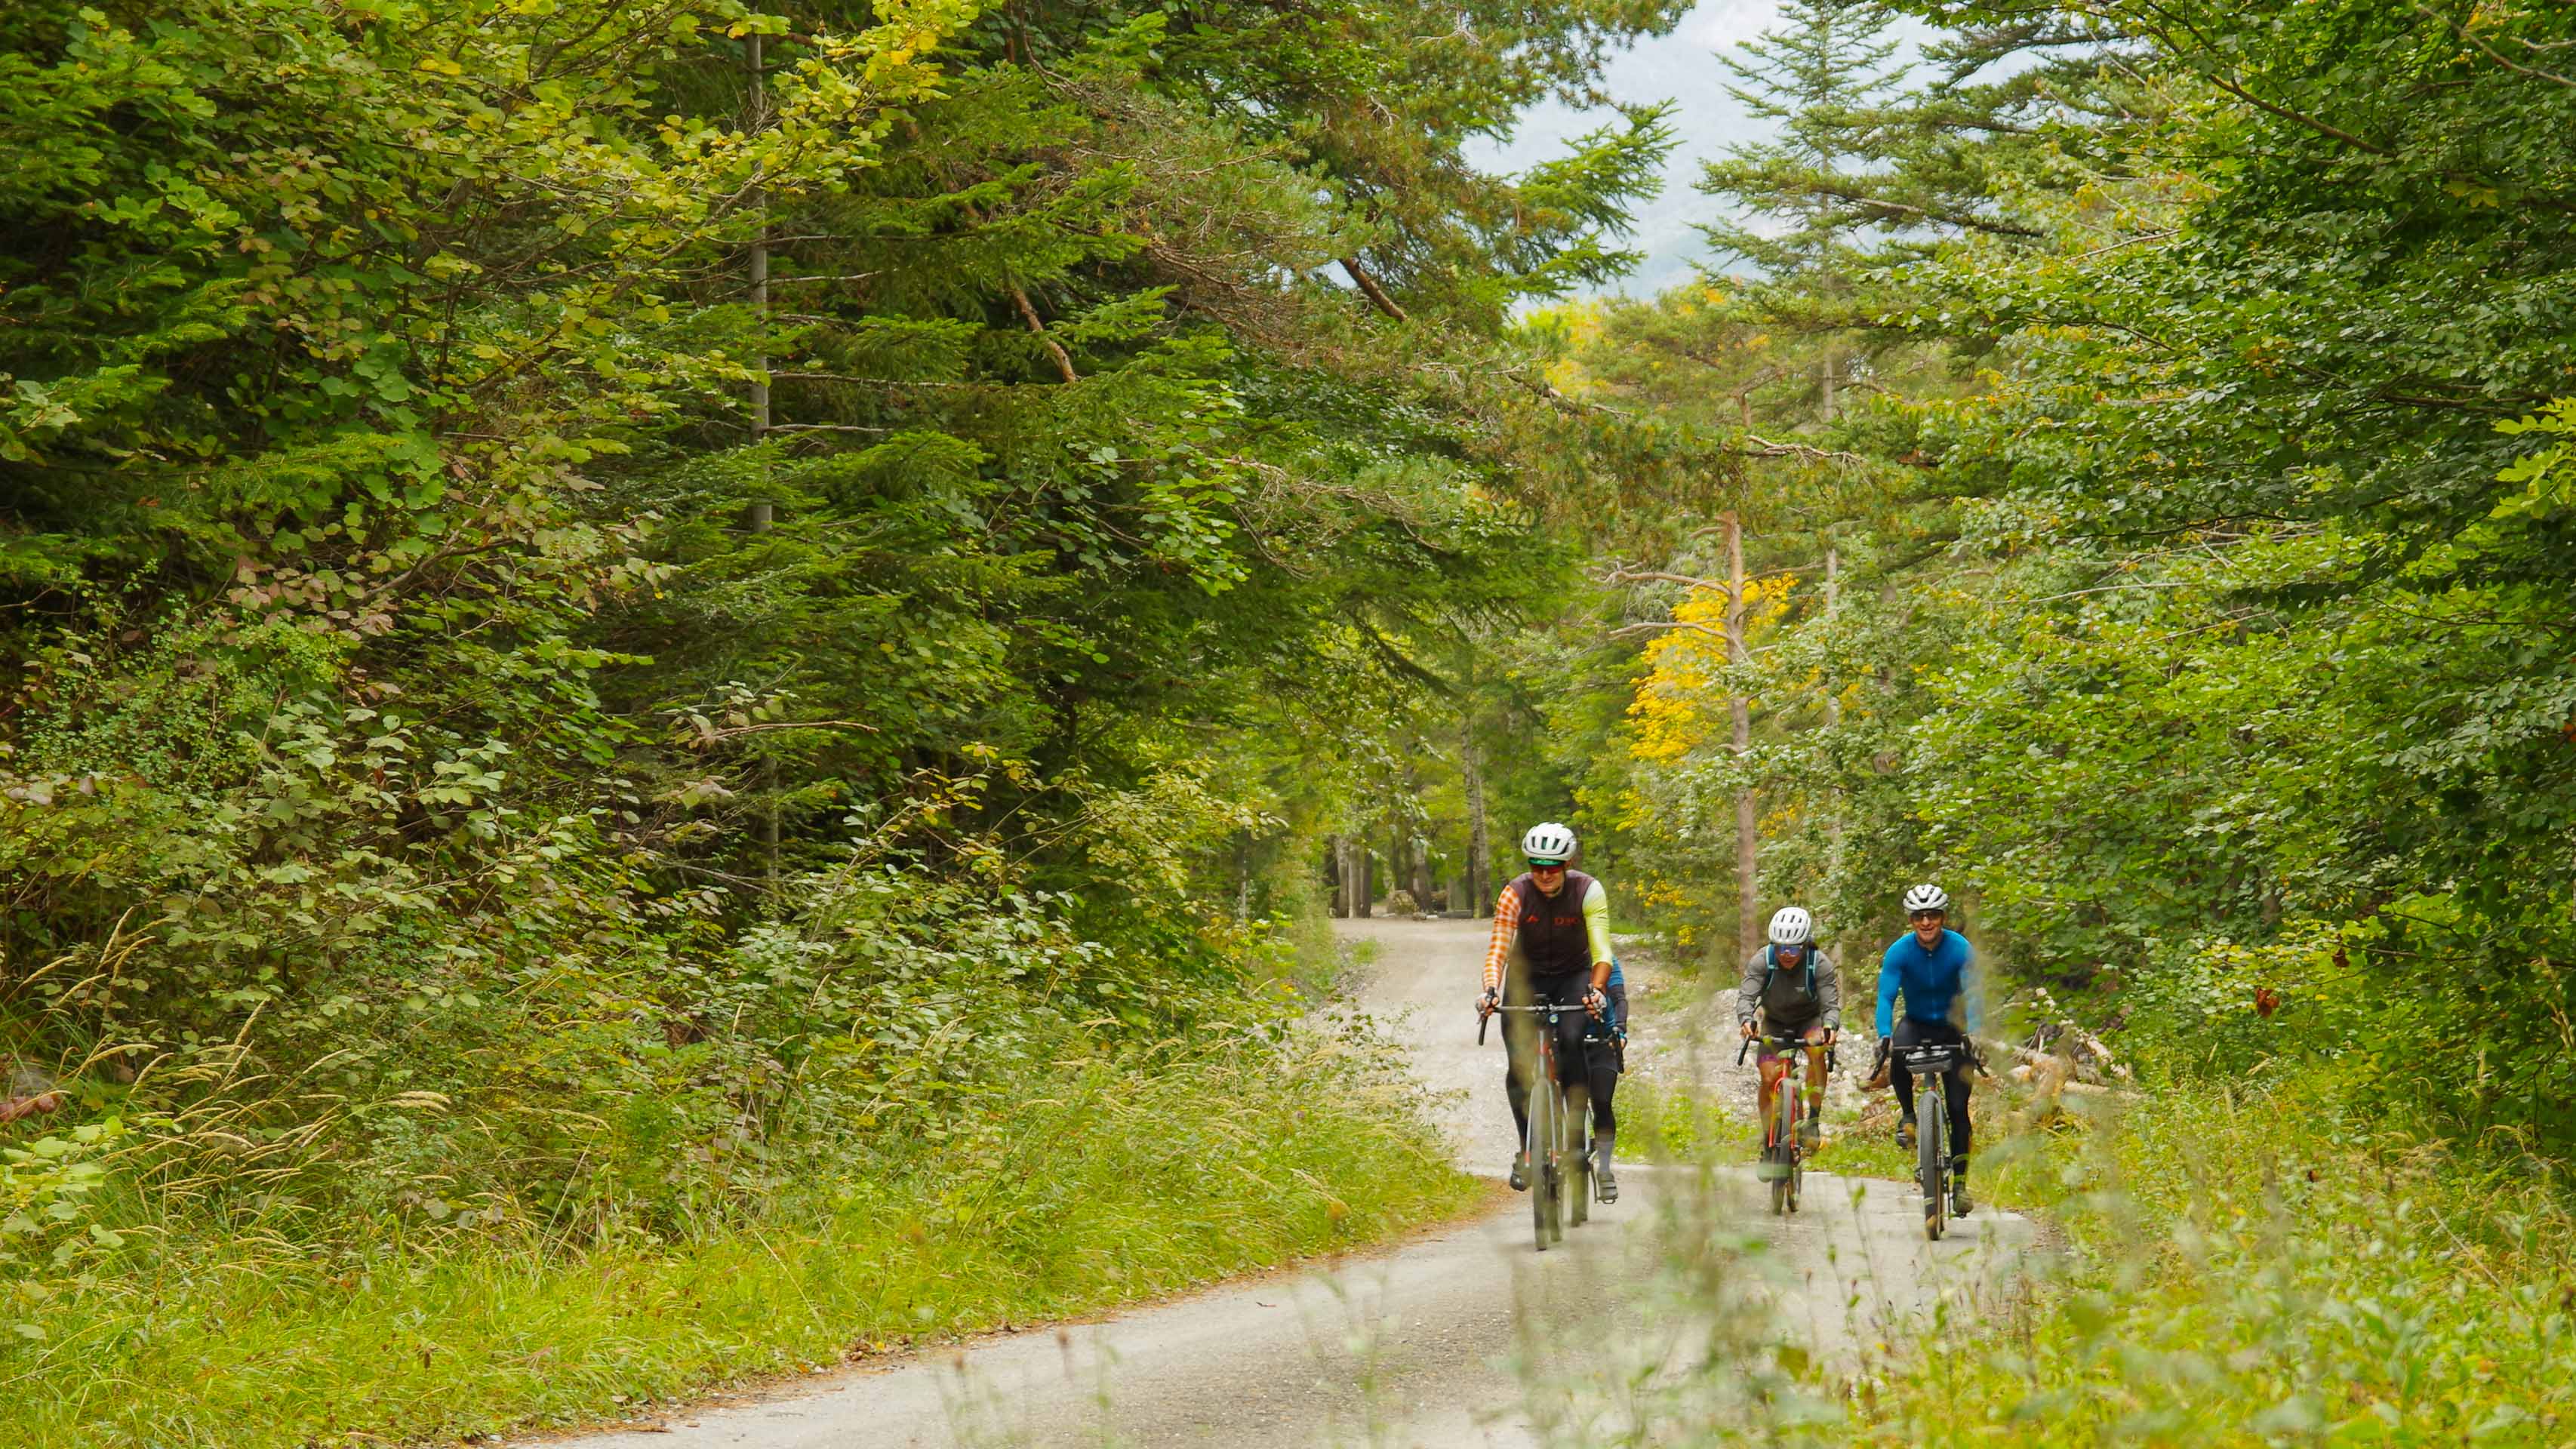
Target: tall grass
{"x": 1101, "y": 1183}
{"x": 2245, "y": 1263}
{"x": 2261, "y": 1264}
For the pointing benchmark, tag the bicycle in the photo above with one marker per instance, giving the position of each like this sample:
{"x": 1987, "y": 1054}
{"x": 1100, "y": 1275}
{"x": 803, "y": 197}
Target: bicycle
{"x": 1559, "y": 1144}
{"x": 1784, "y": 1159}
{"x": 1930, "y": 1064}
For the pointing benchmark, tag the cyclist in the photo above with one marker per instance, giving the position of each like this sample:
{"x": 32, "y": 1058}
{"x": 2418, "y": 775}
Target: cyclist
{"x": 1790, "y": 989}
{"x": 1551, "y": 943}
{"x": 1930, "y": 966}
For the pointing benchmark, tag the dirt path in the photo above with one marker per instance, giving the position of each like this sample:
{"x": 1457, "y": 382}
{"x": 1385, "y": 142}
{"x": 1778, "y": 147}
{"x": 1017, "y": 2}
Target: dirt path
{"x": 1466, "y": 1338}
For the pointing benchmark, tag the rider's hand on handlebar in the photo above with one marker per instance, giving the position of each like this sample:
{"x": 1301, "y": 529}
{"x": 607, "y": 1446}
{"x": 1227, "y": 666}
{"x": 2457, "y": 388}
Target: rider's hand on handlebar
{"x": 1746, "y": 1028}
{"x": 1487, "y": 1000}
{"x": 1595, "y": 1002}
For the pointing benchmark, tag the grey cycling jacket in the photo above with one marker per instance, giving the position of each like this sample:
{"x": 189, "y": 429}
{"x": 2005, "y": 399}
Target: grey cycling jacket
{"x": 1786, "y": 990}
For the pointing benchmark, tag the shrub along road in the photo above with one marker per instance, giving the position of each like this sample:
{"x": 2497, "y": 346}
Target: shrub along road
{"x": 1462, "y": 1338}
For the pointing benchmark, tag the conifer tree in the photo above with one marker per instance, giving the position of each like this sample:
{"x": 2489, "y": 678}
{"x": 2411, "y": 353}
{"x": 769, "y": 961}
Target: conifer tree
{"x": 1811, "y": 75}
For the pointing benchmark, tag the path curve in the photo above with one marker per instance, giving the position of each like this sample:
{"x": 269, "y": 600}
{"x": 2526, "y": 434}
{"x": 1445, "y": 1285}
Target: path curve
{"x": 1458, "y": 1340}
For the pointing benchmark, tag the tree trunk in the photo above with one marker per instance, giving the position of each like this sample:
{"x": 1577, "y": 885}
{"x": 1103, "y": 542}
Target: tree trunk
{"x": 1362, "y": 901}
{"x": 1833, "y": 593}
{"x": 1243, "y": 876}
{"x": 1341, "y": 852}
{"x": 1748, "y": 899}
{"x": 761, "y": 513}
{"x": 1416, "y": 859}
{"x": 1480, "y": 864}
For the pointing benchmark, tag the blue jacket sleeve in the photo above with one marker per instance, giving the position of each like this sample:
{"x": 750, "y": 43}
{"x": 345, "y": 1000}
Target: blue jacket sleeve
{"x": 1888, "y": 981}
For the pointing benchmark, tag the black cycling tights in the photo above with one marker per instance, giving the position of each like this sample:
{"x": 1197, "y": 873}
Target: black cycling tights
{"x": 1520, "y": 1042}
{"x": 1954, "y": 1087}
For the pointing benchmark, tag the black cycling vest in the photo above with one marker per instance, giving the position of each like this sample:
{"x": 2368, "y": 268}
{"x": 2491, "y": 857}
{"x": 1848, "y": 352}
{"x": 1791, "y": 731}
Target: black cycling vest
{"x": 1552, "y": 935}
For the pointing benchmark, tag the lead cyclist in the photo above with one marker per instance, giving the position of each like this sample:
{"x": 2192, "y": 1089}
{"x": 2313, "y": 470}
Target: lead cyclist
{"x": 1551, "y": 943}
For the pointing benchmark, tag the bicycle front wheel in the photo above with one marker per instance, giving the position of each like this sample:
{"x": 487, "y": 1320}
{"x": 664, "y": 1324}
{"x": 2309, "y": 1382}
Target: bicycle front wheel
{"x": 1542, "y": 1133}
{"x": 1933, "y": 1162}
{"x": 1784, "y": 1144}
{"x": 1797, "y": 1149}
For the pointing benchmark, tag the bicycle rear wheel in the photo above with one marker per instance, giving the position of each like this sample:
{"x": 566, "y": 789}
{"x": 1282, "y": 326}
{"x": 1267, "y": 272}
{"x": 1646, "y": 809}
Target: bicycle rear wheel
{"x": 1933, "y": 1160}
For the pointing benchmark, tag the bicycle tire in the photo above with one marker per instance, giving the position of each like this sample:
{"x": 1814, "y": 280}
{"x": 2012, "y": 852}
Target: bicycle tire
{"x": 1536, "y": 1146}
{"x": 1784, "y": 1142}
{"x": 1578, "y": 1155}
{"x": 1933, "y": 1160}
{"x": 1791, "y": 1144}
{"x": 1555, "y": 1200}
{"x": 1552, "y": 1092}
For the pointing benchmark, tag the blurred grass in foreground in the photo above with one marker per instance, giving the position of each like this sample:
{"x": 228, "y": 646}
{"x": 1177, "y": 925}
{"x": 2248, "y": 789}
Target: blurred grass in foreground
{"x": 1107, "y": 1183}
{"x": 2257, "y": 1263}
{"x": 2223, "y": 1263}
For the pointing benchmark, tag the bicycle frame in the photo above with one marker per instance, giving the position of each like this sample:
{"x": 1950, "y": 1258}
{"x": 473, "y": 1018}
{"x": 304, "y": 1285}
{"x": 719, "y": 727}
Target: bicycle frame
{"x": 1782, "y": 1153}
{"x": 1930, "y": 1064}
{"x": 1551, "y": 1125}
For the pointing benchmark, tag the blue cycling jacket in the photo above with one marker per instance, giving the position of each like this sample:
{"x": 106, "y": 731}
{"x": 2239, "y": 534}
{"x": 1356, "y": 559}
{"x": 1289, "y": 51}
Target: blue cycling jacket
{"x": 1930, "y": 981}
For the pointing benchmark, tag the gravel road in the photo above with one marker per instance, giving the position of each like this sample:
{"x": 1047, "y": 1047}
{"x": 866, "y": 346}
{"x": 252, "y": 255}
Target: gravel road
{"x": 1459, "y": 1339}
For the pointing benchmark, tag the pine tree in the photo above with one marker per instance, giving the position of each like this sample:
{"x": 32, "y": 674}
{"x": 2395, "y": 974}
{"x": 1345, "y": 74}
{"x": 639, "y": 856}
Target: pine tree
{"x": 1823, "y": 66}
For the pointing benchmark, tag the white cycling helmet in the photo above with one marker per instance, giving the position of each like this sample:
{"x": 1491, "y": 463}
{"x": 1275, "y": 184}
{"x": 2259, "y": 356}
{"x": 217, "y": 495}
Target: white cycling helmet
{"x": 1926, "y": 897}
{"x": 1548, "y": 841}
{"x": 1792, "y": 926}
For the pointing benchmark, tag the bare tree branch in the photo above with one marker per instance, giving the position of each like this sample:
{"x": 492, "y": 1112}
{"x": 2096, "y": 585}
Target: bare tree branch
{"x": 1370, "y": 289}
{"x": 2463, "y": 32}
{"x": 1029, "y": 314}
{"x": 1879, "y": 203}
{"x": 1769, "y": 449}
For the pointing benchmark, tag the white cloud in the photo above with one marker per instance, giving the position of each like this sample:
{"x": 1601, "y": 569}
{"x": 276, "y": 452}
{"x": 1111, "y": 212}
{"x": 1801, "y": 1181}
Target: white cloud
{"x": 1721, "y": 24}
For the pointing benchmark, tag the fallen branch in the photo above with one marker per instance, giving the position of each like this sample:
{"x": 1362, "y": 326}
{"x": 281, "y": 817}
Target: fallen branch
{"x": 2099, "y": 1054}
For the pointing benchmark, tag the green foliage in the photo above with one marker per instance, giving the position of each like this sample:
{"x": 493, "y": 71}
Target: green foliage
{"x": 2182, "y": 399}
{"x": 474, "y": 784}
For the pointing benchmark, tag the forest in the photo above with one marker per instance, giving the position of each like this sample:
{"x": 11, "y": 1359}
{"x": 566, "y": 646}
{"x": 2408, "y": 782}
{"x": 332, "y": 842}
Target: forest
{"x": 641, "y": 629}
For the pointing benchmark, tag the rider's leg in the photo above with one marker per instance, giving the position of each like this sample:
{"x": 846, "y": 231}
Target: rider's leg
{"x": 1954, "y": 1089}
{"x": 1811, "y": 1116}
{"x": 1520, "y": 1059}
{"x": 1571, "y": 1028}
{"x": 1769, "y": 1069}
{"x": 1603, "y": 1073}
{"x": 1602, "y": 1058}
